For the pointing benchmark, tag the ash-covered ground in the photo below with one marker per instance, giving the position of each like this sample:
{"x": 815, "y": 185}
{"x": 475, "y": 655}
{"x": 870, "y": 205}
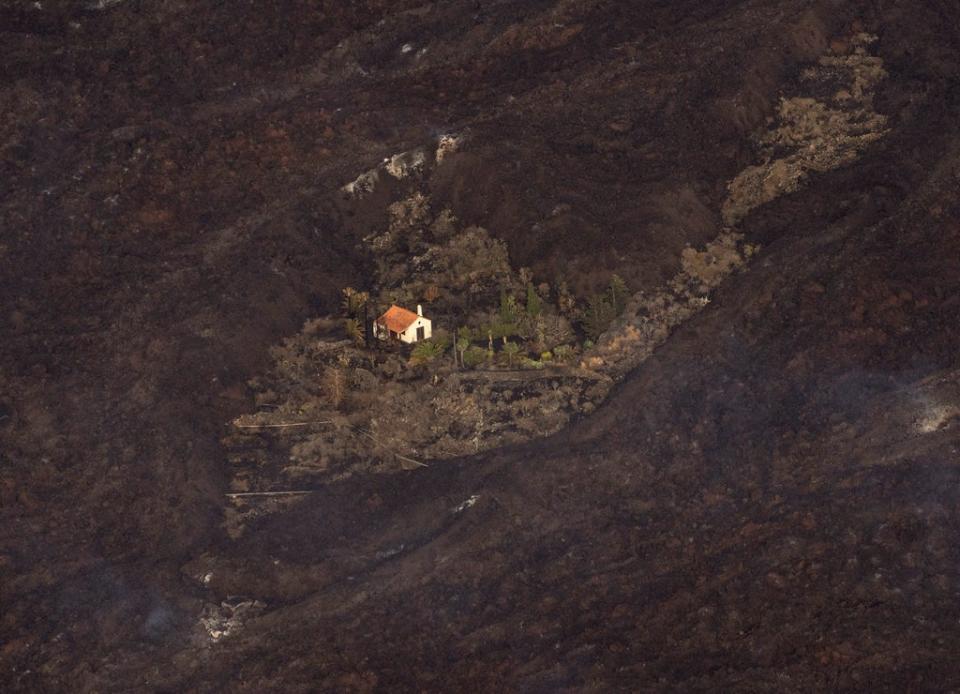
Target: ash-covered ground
{"x": 765, "y": 500}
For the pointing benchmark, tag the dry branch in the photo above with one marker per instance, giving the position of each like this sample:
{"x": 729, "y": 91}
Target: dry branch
{"x": 234, "y": 495}
{"x": 279, "y": 426}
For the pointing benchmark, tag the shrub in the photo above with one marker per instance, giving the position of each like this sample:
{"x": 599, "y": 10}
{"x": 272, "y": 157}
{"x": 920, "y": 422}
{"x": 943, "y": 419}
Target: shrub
{"x": 335, "y": 383}
{"x": 426, "y": 351}
{"x": 444, "y": 225}
{"x": 534, "y": 306}
{"x": 618, "y": 293}
{"x": 431, "y": 293}
{"x": 598, "y": 316}
{"x": 503, "y": 330}
{"x": 563, "y": 352}
{"x": 557, "y": 330}
{"x": 354, "y": 330}
{"x": 354, "y": 301}
{"x": 511, "y": 349}
{"x": 509, "y": 312}
{"x": 474, "y": 356}
{"x": 464, "y": 337}
{"x": 441, "y": 337}
{"x": 603, "y": 308}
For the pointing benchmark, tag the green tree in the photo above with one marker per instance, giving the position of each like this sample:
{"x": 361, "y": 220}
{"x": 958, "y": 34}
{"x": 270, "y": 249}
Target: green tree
{"x": 508, "y": 308}
{"x": 511, "y": 349}
{"x": 441, "y": 337}
{"x": 474, "y": 356}
{"x": 464, "y": 337}
{"x": 618, "y": 294}
{"x": 502, "y": 330}
{"x": 534, "y": 307}
{"x": 598, "y": 316}
{"x": 507, "y": 321}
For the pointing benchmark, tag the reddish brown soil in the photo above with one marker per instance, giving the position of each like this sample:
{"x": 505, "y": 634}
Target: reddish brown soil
{"x": 755, "y": 509}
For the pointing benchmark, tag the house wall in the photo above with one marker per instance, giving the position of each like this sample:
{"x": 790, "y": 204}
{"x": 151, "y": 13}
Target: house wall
{"x": 410, "y": 334}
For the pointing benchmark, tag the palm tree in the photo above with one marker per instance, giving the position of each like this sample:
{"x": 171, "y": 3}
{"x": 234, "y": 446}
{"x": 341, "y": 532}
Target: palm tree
{"x": 353, "y": 301}
{"x": 464, "y": 336}
{"x": 354, "y": 330}
{"x": 511, "y": 349}
{"x": 348, "y": 294}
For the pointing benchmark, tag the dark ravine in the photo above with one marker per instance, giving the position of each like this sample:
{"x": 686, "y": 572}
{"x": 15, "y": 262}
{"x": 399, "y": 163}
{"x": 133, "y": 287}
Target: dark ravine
{"x": 767, "y": 503}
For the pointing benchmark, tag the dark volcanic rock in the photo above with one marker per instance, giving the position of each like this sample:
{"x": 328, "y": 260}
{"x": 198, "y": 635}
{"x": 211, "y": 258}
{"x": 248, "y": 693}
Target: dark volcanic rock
{"x": 767, "y": 503}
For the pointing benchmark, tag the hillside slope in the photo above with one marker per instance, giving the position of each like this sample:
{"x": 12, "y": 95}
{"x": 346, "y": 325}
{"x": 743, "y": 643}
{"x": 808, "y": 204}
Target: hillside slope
{"x": 766, "y": 503}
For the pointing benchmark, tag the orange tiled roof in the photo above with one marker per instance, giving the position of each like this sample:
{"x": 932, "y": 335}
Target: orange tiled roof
{"x": 397, "y": 319}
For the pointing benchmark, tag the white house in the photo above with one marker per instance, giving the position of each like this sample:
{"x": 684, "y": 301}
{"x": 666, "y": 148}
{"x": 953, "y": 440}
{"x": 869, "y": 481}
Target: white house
{"x": 400, "y": 324}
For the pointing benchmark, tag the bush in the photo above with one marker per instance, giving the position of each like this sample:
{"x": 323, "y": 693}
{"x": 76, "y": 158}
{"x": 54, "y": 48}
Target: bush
{"x": 354, "y": 301}
{"x": 603, "y": 309}
{"x": 474, "y": 356}
{"x": 511, "y": 349}
{"x": 354, "y": 330}
{"x": 500, "y": 329}
{"x": 426, "y": 351}
{"x": 335, "y": 383}
{"x": 441, "y": 337}
{"x": 557, "y": 330}
{"x": 563, "y": 352}
{"x": 598, "y": 316}
{"x": 618, "y": 293}
{"x": 534, "y": 306}
{"x": 509, "y": 311}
